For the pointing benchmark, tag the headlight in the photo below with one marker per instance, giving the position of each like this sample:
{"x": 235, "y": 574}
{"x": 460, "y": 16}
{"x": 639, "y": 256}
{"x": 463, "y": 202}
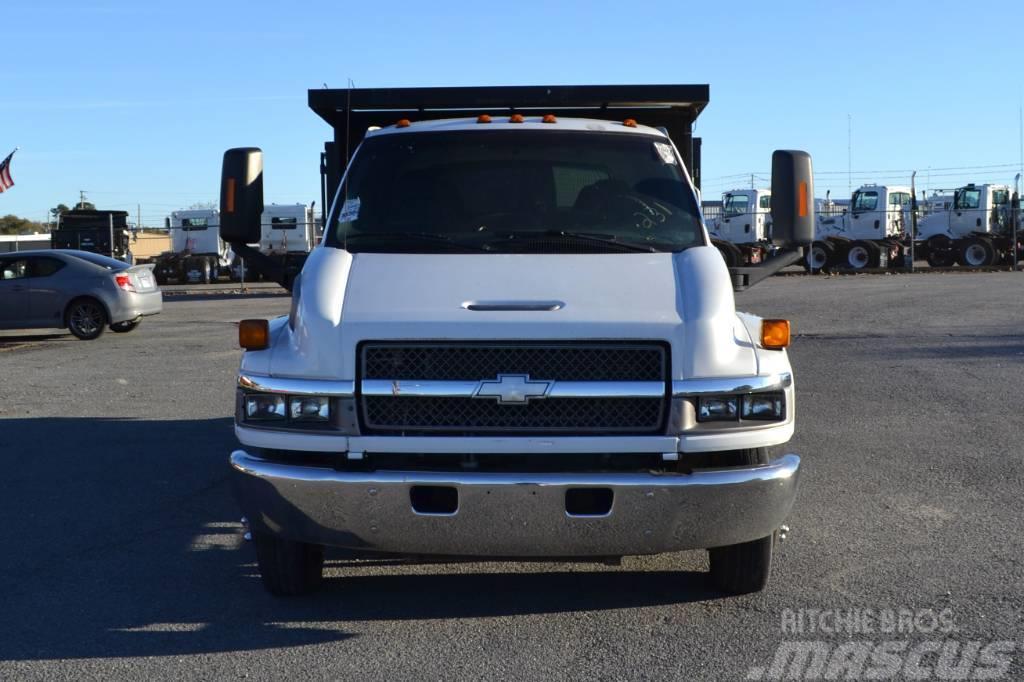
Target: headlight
{"x": 719, "y": 408}
{"x": 767, "y": 406}
{"x": 306, "y": 408}
{"x": 264, "y": 407}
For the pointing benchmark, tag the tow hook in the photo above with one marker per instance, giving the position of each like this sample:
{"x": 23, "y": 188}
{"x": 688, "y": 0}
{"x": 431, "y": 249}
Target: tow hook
{"x": 247, "y": 535}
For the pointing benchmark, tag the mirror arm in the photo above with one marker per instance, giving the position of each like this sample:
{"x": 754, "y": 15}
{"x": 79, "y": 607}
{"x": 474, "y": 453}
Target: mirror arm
{"x": 746, "y": 276}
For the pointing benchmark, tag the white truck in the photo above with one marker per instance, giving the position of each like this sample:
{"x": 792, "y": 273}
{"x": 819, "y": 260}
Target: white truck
{"x": 743, "y": 231}
{"x": 288, "y": 234}
{"x": 197, "y": 254}
{"x": 870, "y": 234}
{"x": 515, "y": 341}
{"x": 975, "y": 230}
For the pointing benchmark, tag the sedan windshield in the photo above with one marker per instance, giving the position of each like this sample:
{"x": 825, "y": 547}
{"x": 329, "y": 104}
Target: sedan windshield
{"x": 515, "y": 191}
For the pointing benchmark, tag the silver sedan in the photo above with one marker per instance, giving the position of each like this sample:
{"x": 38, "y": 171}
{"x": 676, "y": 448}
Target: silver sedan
{"x": 78, "y": 290}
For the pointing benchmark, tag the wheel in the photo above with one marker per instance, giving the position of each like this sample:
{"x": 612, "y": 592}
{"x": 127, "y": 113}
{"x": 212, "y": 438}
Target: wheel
{"x": 288, "y": 568}
{"x": 730, "y": 253}
{"x": 976, "y": 253}
{"x": 746, "y": 567}
{"x": 207, "y": 276}
{"x": 818, "y": 256}
{"x": 160, "y": 279}
{"x": 125, "y": 327}
{"x": 862, "y": 255}
{"x": 86, "y": 318}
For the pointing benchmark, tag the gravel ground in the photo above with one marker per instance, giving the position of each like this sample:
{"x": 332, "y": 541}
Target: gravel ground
{"x": 122, "y": 554}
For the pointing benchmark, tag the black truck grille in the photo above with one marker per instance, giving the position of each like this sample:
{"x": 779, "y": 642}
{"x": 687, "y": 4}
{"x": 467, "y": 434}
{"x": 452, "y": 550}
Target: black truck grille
{"x": 587, "y": 362}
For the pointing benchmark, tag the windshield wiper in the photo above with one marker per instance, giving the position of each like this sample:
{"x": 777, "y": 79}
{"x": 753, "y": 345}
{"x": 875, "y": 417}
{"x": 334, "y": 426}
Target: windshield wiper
{"x": 421, "y": 237}
{"x": 587, "y": 236}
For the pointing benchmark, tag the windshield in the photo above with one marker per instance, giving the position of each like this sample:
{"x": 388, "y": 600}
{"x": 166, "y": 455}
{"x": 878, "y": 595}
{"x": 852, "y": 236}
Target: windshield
{"x": 515, "y": 191}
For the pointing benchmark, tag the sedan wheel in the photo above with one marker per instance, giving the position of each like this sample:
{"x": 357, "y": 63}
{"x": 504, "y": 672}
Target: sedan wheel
{"x": 86, "y": 319}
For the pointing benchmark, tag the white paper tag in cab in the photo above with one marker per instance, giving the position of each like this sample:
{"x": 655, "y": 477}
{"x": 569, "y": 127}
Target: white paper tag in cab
{"x": 665, "y": 151}
{"x": 349, "y": 211}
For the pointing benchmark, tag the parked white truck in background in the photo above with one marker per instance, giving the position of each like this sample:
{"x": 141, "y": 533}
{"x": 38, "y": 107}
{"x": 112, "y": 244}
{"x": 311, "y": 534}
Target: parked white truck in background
{"x": 743, "y": 231}
{"x": 515, "y": 341}
{"x": 870, "y": 234}
{"x": 974, "y": 230}
{"x": 197, "y": 254}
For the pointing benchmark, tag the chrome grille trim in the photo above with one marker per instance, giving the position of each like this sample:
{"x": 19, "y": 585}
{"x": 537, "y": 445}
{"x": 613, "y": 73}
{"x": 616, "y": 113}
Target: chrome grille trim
{"x": 290, "y": 386}
{"x": 713, "y": 386}
{"x": 468, "y": 389}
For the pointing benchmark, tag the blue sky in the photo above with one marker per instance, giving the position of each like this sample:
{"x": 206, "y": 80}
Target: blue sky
{"x": 135, "y": 102}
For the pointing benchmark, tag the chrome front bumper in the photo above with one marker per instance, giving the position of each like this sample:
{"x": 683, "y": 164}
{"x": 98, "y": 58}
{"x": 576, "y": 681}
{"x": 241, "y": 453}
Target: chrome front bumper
{"x": 515, "y": 515}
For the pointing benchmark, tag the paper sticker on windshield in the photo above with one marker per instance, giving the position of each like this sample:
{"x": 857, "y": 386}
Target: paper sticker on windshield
{"x": 666, "y": 152}
{"x": 349, "y": 211}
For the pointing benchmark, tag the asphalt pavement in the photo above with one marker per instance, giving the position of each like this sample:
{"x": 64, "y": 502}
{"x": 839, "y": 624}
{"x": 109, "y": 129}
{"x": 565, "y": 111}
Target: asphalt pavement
{"x": 121, "y": 555}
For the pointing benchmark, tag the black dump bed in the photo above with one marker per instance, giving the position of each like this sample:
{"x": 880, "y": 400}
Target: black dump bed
{"x": 351, "y": 112}
{"x": 100, "y": 232}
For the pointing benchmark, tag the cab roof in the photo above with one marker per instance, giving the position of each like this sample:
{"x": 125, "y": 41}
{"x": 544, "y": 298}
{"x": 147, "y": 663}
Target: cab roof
{"x": 528, "y": 123}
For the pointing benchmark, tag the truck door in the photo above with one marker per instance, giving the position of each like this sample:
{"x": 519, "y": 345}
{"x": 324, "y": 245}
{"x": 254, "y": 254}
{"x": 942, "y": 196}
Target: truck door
{"x": 13, "y": 292}
{"x": 967, "y": 214}
{"x": 865, "y": 218}
{"x": 735, "y": 215}
{"x": 45, "y": 293}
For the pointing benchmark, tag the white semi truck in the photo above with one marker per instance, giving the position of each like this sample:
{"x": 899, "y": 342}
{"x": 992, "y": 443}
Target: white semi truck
{"x": 197, "y": 254}
{"x": 870, "y": 233}
{"x": 743, "y": 231}
{"x": 515, "y": 341}
{"x": 974, "y": 230}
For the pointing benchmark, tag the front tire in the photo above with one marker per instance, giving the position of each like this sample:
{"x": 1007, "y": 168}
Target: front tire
{"x": 746, "y": 567}
{"x": 288, "y": 568}
{"x": 86, "y": 318}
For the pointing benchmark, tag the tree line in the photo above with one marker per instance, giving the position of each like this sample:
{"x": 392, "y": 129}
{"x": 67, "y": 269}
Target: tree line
{"x": 12, "y": 224}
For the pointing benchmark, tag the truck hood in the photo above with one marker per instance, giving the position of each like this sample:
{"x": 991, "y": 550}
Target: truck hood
{"x": 684, "y": 299}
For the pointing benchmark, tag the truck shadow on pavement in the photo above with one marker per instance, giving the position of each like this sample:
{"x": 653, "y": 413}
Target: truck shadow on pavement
{"x": 121, "y": 539}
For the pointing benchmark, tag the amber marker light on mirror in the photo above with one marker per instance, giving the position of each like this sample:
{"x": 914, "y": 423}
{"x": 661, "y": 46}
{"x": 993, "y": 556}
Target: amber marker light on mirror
{"x": 775, "y": 334}
{"x": 254, "y": 334}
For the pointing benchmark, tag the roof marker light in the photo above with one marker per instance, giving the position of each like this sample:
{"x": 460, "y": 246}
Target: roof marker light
{"x": 549, "y": 118}
{"x": 629, "y": 123}
{"x": 483, "y": 118}
{"x": 402, "y": 123}
{"x": 516, "y": 118}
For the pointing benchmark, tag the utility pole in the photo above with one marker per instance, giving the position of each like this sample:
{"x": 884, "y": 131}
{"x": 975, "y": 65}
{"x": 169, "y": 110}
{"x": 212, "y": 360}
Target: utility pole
{"x": 849, "y": 155}
{"x": 81, "y": 198}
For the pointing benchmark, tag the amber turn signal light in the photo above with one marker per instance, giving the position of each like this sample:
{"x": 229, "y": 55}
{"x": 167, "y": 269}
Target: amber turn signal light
{"x": 254, "y": 334}
{"x": 775, "y": 334}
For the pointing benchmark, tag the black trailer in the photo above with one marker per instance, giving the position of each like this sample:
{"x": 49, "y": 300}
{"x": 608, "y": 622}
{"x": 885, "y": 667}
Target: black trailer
{"x": 103, "y": 232}
{"x": 352, "y": 112}
{"x": 674, "y": 108}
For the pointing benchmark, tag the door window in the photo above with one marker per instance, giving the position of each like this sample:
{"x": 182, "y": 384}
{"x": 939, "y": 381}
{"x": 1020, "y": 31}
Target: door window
{"x": 865, "y": 201}
{"x": 735, "y": 204}
{"x": 968, "y": 199}
{"x": 44, "y": 267}
{"x": 765, "y": 202}
{"x": 13, "y": 269}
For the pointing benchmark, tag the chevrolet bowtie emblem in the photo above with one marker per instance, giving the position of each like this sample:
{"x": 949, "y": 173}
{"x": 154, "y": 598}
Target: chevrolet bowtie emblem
{"x": 513, "y": 389}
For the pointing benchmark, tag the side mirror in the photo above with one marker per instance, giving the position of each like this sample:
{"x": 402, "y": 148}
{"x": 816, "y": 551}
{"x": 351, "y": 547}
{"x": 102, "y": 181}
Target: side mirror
{"x": 792, "y": 198}
{"x": 241, "y": 195}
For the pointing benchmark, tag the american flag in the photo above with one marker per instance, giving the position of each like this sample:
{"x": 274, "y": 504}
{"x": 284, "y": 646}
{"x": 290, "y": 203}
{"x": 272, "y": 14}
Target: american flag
{"x": 6, "y": 181}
